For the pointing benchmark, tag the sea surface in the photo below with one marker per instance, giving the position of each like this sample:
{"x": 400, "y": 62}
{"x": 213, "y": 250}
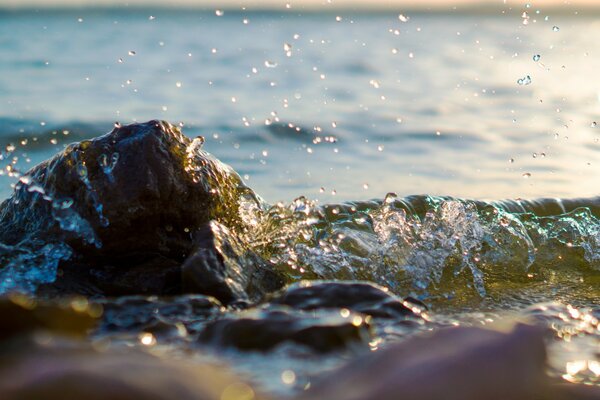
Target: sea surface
{"x": 335, "y": 107}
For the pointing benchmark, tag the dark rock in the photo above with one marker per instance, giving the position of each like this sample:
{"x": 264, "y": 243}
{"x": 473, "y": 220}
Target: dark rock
{"x": 222, "y": 267}
{"x": 139, "y": 189}
{"x": 136, "y": 314}
{"x": 361, "y": 297}
{"x": 265, "y": 329}
{"x": 21, "y": 316}
{"x": 132, "y": 205}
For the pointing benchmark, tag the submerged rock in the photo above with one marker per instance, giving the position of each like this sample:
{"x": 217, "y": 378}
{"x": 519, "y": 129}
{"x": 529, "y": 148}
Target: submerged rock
{"x": 263, "y": 330}
{"x": 133, "y": 205}
{"x": 361, "y": 297}
{"x": 136, "y": 314}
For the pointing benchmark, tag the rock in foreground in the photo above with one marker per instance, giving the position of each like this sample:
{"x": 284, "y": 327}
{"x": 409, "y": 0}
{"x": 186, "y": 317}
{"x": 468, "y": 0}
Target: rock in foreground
{"x": 132, "y": 205}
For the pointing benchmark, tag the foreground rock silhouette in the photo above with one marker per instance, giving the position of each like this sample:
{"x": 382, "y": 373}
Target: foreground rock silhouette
{"x": 41, "y": 359}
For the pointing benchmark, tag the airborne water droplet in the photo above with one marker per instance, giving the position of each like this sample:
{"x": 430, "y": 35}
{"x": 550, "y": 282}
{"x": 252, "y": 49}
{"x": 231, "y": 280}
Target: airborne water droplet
{"x": 270, "y": 64}
{"x": 555, "y": 28}
{"x": 536, "y": 57}
{"x": 524, "y": 81}
{"x": 131, "y": 53}
{"x": 526, "y": 175}
{"x": 219, "y": 13}
{"x": 593, "y": 124}
{"x": 403, "y": 18}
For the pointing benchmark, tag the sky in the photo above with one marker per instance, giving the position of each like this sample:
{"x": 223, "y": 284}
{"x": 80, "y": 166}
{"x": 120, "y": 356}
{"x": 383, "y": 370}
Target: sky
{"x": 302, "y": 4}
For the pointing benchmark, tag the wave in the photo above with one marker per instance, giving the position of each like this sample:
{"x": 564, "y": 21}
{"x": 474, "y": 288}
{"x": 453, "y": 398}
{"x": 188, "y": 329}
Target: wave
{"x": 430, "y": 247}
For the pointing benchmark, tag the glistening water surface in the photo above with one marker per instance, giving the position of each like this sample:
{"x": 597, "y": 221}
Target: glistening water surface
{"x": 359, "y": 104}
{"x": 339, "y": 108}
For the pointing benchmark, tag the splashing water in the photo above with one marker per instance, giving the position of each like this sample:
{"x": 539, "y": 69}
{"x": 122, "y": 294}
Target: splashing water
{"x": 454, "y": 246}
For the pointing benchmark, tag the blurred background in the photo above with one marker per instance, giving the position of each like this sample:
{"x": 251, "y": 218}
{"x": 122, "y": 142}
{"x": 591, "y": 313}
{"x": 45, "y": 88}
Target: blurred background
{"x": 333, "y": 100}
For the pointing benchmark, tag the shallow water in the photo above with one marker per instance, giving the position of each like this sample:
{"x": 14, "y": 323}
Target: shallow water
{"x": 360, "y": 106}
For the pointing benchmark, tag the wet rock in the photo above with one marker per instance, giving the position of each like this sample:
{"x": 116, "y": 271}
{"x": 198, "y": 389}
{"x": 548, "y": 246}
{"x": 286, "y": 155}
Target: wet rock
{"x": 76, "y": 371}
{"x": 132, "y": 205}
{"x": 147, "y": 314}
{"x": 262, "y": 330}
{"x": 21, "y": 316}
{"x": 360, "y": 297}
{"x": 138, "y": 189}
{"x": 222, "y": 267}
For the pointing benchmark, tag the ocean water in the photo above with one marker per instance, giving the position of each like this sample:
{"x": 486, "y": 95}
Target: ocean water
{"x": 339, "y": 108}
{"x": 314, "y": 104}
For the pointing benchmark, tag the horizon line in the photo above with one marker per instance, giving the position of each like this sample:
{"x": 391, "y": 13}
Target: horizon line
{"x": 472, "y": 8}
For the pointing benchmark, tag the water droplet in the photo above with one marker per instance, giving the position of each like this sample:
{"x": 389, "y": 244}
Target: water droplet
{"x": 536, "y": 57}
{"x": 164, "y": 108}
{"x": 555, "y": 28}
{"x": 270, "y": 64}
{"x": 526, "y": 175}
{"x": 79, "y": 19}
{"x": 534, "y": 155}
{"x": 147, "y": 339}
{"x": 322, "y": 190}
{"x": 117, "y": 124}
{"x": 53, "y": 141}
{"x": 380, "y": 148}
{"x": 288, "y": 377}
{"x": 334, "y": 124}
{"x": 245, "y": 21}
{"x": 152, "y": 18}
{"x": 365, "y": 186}
{"x": 524, "y": 81}
{"x": 178, "y": 84}
{"x": 219, "y": 13}
{"x": 288, "y": 49}
{"x": 338, "y": 18}
{"x": 213, "y": 50}
{"x": 593, "y": 124}
{"x": 512, "y": 160}
{"x": 132, "y": 53}
{"x": 81, "y": 171}
{"x": 233, "y": 99}
{"x": 374, "y": 83}
{"x": 403, "y": 18}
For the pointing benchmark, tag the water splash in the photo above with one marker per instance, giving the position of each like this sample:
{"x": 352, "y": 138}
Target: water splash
{"x": 451, "y": 246}
{"x": 25, "y": 267}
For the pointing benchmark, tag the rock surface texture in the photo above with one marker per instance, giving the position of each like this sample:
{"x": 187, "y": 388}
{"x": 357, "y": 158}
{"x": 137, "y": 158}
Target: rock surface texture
{"x": 133, "y": 205}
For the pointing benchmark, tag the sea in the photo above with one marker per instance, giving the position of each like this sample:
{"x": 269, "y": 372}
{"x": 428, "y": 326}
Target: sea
{"x": 341, "y": 106}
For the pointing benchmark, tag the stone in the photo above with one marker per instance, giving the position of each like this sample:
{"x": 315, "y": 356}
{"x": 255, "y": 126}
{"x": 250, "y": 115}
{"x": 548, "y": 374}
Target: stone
{"x": 263, "y": 330}
{"x": 130, "y": 207}
{"x": 361, "y": 297}
{"x": 221, "y": 266}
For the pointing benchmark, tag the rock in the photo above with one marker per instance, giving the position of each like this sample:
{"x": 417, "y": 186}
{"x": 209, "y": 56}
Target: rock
{"x": 360, "y": 297}
{"x": 455, "y": 363}
{"x": 222, "y": 267}
{"x": 131, "y": 206}
{"x": 136, "y": 314}
{"x": 140, "y": 189}
{"x": 263, "y": 330}
{"x": 22, "y": 316}
{"x": 76, "y": 371}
